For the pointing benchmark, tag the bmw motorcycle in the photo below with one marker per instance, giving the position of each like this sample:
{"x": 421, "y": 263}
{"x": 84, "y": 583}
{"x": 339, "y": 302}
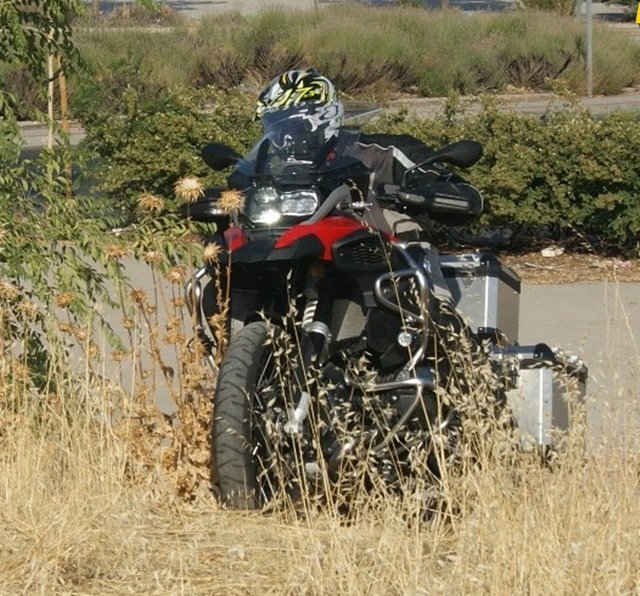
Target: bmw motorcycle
{"x": 341, "y": 344}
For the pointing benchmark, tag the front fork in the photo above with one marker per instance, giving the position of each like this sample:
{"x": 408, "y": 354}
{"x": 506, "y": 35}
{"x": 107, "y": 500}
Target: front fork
{"x": 193, "y": 298}
{"x": 316, "y": 333}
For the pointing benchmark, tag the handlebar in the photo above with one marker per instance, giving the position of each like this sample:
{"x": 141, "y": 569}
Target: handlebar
{"x": 439, "y": 198}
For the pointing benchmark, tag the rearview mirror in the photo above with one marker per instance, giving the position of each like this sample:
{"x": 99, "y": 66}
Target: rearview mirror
{"x": 218, "y": 156}
{"x": 462, "y": 154}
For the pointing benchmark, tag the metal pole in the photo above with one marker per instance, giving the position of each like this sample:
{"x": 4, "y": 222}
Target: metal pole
{"x": 589, "y": 48}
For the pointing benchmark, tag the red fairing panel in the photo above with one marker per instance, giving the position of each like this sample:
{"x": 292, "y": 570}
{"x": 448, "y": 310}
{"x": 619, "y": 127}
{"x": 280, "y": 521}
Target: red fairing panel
{"x": 327, "y": 231}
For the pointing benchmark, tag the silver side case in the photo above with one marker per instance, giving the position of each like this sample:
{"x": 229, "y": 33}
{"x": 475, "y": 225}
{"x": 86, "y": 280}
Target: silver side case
{"x": 547, "y": 391}
{"x": 484, "y": 291}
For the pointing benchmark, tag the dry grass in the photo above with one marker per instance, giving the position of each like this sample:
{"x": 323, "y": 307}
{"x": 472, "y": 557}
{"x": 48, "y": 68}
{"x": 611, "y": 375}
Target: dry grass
{"x": 102, "y": 495}
{"x": 72, "y": 522}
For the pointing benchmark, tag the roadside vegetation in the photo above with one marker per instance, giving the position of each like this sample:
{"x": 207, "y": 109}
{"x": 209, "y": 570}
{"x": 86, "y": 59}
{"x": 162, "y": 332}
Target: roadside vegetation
{"x": 103, "y": 491}
{"x": 374, "y": 51}
{"x": 370, "y": 52}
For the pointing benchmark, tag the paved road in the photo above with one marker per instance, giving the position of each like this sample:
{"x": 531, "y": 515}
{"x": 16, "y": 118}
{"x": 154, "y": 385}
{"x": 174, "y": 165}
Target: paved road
{"x": 534, "y": 104}
{"x": 599, "y": 322}
{"x": 197, "y": 9}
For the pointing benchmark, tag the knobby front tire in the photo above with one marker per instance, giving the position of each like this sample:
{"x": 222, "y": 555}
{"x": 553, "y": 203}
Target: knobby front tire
{"x": 237, "y": 469}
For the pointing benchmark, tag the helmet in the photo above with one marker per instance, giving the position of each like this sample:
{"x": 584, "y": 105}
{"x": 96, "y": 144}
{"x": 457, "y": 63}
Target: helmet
{"x": 296, "y": 87}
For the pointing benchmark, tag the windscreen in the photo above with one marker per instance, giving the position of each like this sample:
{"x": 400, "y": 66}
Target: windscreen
{"x": 295, "y": 143}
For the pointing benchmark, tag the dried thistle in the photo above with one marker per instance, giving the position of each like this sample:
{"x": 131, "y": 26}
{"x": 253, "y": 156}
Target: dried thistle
{"x": 211, "y": 253}
{"x": 138, "y": 296}
{"x": 178, "y": 302}
{"x": 115, "y": 251}
{"x": 175, "y": 275}
{"x": 189, "y": 189}
{"x": 231, "y": 200}
{"x": 150, "y": 203}
{"x": 65, "y": 299}
{"x": 151, "y": 257}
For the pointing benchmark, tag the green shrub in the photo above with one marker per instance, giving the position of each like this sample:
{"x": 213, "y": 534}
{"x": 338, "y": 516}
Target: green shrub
{"x": 568, "y": 174}
{"x": 49, "y": 247}
{"x": 146, "y": 145}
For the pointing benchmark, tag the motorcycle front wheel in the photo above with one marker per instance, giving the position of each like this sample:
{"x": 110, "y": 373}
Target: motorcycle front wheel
{"x": 252, "y": 461}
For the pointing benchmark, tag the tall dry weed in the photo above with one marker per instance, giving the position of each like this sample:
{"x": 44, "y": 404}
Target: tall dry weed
{"x": 105, "y": 489}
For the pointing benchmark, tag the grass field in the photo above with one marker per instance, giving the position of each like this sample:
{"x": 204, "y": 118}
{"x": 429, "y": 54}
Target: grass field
{"x": 368, "y": 52}
{"x": 74, "y": 522}
{"x": 100, "y": 495}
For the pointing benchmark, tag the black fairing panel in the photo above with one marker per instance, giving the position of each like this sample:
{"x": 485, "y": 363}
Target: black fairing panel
{"x": 262, "y": 249}
{"x": 255, "y": 251}
{"x": 307, "y": 246}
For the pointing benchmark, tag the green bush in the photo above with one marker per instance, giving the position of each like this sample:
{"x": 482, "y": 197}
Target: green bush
{"x": 568, "y": 174}
{"x": 49, "y": 247}
{"x": 147, "y": 145}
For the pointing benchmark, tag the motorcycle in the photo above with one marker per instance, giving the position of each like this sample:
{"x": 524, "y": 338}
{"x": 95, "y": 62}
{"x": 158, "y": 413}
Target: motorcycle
{"x": 341, "y": 342}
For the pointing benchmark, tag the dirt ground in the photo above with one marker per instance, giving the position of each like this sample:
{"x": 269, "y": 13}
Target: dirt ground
{"x": 535, "y": 268}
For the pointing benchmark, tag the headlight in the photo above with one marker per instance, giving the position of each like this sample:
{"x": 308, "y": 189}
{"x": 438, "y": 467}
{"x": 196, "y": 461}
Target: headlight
{"x": 299, "y": 202}
{"x": 267, "y": 205}
{"x": 265, "y": 195}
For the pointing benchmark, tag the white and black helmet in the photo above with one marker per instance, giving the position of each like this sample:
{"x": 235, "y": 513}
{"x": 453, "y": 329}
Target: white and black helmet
{"x": 302, "y": 88}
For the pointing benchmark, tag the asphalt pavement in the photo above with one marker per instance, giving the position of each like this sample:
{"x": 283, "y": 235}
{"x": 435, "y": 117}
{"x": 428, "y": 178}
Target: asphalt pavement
{"x": 536, "y": 104}
{"x": 197, "y": 9}
{"x": 599, "y": 322}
